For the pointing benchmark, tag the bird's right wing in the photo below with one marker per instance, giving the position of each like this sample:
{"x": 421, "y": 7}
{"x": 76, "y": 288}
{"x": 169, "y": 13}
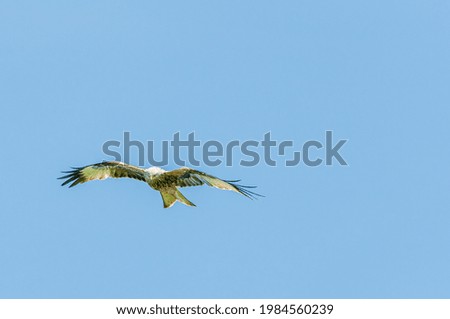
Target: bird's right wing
{"x": 79, "y": 175}
{"x": 190, "y": 177}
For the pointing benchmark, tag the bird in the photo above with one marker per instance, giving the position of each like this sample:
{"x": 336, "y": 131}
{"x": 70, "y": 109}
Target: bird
{"x": 166, "y": 182}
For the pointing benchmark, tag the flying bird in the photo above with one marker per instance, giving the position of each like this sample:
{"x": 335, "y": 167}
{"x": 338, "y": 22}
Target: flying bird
{"x": 166, "y": 182}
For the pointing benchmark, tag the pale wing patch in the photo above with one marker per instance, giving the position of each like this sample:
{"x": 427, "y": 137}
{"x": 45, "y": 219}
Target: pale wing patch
{"x": 91, "y": 173}
{"x": 216, "y": 182}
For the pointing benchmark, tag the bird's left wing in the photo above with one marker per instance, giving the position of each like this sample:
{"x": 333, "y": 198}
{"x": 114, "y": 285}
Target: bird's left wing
{"x": 190, "y": 177}
{"x": 102, "y": 170}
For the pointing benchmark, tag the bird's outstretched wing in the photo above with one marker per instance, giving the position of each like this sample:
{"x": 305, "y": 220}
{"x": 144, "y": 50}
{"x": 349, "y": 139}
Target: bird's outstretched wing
{"x": 79, "y": 175}
{"x": 190, "y": 177}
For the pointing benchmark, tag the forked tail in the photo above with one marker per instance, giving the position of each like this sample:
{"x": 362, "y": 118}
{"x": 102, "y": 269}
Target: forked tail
{"x": 171, "y": 196}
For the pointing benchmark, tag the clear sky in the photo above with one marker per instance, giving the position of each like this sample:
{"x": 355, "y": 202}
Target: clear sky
{"x": 76, "y": 74}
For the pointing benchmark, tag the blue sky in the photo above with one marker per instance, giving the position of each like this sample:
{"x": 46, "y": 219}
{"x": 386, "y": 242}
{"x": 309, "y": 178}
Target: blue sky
{"x": 77, "y": 74}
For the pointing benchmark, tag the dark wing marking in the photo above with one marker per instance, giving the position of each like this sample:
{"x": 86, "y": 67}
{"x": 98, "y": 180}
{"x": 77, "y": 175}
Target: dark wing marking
{"x": 79, "y": 175}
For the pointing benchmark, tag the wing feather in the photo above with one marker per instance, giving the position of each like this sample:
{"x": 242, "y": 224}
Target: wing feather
{"x": 190, "y": 177}
{"x": 79, "y": 175}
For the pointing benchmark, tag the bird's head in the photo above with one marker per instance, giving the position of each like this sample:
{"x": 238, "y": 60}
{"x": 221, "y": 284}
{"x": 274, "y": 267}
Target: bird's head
{"x": 155, "y": 170}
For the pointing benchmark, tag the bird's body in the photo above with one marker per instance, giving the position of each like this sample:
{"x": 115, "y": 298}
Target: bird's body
{"x": 166, "y": 182}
